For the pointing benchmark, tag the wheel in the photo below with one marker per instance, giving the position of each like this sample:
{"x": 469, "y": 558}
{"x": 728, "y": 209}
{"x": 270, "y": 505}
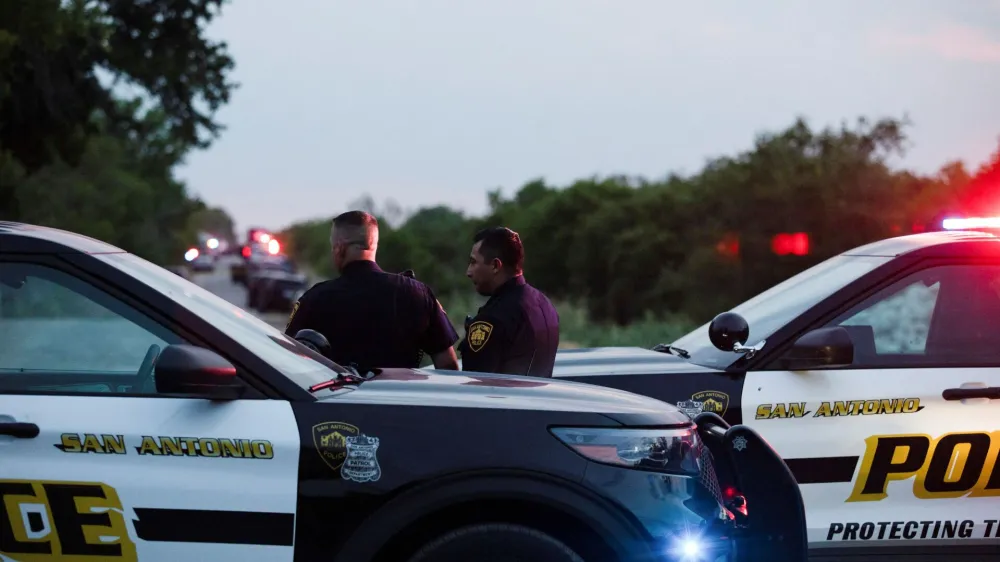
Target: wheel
{"x": 251, "y": 301}
{"x": 496, "y": 542}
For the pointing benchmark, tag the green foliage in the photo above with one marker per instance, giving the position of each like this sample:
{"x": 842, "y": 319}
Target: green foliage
{"x": 73, "y": 154}
{"x": 637, "y": 262}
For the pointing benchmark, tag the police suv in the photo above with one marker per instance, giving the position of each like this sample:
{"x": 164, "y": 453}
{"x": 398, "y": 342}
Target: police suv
{"x": 875, "y": 375}
{"x": 143, "y": 418}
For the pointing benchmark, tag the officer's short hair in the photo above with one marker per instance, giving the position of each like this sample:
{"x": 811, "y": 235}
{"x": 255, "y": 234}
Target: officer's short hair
{"x": 501, "y": 243}
{"x": 355, "y": 227}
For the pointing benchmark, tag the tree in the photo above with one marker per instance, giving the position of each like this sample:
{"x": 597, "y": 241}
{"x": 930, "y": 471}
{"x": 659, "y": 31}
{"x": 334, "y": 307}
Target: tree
{"x": 626, "y": 249}
{"x": 53, "y": 54}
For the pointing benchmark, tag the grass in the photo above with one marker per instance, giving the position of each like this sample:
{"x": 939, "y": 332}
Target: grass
{"x": 577, "y": 330}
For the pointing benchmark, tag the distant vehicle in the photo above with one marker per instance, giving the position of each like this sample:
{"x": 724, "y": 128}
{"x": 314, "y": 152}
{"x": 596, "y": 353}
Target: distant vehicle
{"x": 273, "y": 282}
{"x": 199, "y": 260}
{"x": 254, "y": 251}
{"x": 875, "y": 374}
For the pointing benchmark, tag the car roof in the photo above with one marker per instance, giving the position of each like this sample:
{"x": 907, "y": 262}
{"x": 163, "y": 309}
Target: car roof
{"x": 20, "y": 237}
{"x": 932, "y": 244}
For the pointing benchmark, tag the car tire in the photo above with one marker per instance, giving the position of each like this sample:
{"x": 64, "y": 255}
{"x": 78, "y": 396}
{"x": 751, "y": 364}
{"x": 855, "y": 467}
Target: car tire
{"x": 496, "y": 542}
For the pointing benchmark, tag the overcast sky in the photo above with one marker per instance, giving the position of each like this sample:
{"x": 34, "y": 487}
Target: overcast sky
{"x": 431, "y": 101}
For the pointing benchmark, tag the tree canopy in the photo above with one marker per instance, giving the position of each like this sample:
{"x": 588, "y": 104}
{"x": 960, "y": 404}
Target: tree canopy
{"x": 630, "y": 249}
{"x": 99, "y": 101}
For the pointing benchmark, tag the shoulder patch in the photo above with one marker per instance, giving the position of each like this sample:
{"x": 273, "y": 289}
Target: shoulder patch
{"x": 479, "y": 334}
{"x": 295, "y": 308}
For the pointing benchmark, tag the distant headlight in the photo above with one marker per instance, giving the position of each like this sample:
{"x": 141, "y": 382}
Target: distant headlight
{"x": 676, "y": 451}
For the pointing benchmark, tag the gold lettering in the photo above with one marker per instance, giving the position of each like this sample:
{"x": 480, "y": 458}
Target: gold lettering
{"x": 91, "y": 524}
{"x": 70, "y": 443}
{"x": 952, "y": 465}
{"x": 149, "y": 446}
{"x": 263, "y": 450}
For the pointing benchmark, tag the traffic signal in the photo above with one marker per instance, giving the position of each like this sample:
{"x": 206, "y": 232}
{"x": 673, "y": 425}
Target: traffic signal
{"x": 790, "y": 244}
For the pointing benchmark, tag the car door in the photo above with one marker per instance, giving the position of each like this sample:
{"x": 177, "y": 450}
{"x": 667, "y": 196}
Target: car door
{"x": 886, "y": 448}
{"x": 94, "y": 464}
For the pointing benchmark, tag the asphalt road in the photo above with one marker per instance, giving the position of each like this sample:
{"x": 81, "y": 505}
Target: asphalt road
{"x": 218, "y": 282}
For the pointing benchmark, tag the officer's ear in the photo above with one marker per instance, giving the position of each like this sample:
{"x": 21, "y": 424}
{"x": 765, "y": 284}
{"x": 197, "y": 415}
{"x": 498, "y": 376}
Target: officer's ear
{"x": 497, "y": 265}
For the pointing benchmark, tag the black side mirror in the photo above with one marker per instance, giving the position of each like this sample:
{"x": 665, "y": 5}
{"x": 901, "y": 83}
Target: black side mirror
{"x": 188, "y": 369}
{"x": 314, "y": 341}
{"x": 823, "y": 347}
{"x": 727, "y": 330}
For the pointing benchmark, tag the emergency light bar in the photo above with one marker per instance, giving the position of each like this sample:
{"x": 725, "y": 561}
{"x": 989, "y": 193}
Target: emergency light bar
{"x": 970, "y": 223}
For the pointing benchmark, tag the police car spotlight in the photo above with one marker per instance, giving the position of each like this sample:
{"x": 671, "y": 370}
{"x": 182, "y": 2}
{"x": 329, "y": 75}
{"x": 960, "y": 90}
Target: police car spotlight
{"x": 689, "y": 549}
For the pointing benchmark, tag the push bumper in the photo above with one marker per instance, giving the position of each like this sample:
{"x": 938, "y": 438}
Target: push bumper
{"x": 758, "y": 489}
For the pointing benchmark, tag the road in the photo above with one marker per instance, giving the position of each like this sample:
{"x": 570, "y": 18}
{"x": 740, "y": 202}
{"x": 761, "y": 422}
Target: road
{"x": 218, "y": 282}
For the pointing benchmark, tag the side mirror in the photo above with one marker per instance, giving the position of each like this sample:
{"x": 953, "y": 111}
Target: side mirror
{"x": 314, "y": 341}
{"x": 823, "y": 347}
{"x": 188, "y": 369}
{"x": 728, "y": 330}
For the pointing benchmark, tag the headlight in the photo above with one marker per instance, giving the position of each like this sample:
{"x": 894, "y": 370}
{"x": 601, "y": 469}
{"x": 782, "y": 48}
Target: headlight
{"x": 663, "y": 450}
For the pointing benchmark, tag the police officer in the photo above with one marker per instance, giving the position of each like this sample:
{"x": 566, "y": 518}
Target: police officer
{"x": 517, "y": 331}
{"x": 373, "y": 318}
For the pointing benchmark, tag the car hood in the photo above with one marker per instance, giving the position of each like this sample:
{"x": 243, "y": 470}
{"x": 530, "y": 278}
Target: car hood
{"x": 605, "y": 361}
{"x": 431, "y": 387}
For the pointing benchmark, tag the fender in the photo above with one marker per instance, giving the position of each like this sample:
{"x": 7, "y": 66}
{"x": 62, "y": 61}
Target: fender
{"x": 620, "y": 531}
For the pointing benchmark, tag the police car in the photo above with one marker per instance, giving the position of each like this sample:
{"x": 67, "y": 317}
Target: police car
{"x": 143, "y": 418}
{"x": 874, "y": 374}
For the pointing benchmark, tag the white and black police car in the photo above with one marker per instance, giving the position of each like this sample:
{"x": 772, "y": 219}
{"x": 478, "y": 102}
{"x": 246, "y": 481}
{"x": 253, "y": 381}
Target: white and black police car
{"x": 143, "y": 418}
{"x": 875, "y": 375}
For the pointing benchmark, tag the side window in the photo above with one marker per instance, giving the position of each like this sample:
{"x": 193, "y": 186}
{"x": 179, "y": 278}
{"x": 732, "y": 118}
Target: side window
{"x": 938, "y": 316}
{"x": 900, "y": 322}
{"x": 60, "y": 333}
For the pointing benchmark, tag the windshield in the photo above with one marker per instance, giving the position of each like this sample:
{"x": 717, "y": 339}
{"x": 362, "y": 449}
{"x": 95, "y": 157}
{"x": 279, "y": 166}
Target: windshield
{"x": 270, "y": 344}
{"x": 779, "y": 305}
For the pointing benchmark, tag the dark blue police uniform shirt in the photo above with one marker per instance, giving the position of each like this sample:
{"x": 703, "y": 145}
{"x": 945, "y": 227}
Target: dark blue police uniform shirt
{"x": 374, "y": 318}
{"x": 516, "y": 333}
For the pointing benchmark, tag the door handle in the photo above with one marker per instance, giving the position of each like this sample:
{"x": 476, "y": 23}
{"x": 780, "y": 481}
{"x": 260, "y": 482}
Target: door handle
{"x": 19, "y": 429}
{"x": 991, "y": 392}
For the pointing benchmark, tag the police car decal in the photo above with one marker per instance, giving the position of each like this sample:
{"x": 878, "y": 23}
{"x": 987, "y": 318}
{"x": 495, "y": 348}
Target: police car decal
{"x": 361, "y": 461}
{"x": 330, "y": 440}
{"x": 862, "y": 407}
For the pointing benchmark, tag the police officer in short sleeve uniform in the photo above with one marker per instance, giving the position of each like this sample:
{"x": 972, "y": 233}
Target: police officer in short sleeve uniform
{"x": 372, "y": 318}
{"x": 517, "y": 331}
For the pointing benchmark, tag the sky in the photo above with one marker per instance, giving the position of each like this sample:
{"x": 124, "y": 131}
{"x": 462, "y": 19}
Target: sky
{"x": 428, "y": 102}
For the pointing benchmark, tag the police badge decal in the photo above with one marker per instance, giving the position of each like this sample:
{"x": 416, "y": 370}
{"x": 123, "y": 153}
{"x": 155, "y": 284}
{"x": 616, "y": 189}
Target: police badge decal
{"x": 361, "y": 464}
{"x": 330, "y": 440}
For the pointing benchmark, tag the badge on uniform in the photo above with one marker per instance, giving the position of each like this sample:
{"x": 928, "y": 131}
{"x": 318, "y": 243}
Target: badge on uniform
{"x": 479, "y": 334}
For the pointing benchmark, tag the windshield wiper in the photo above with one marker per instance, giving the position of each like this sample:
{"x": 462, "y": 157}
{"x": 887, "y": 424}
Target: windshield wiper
{"x": 350, "y": 377}
{"x": 672, "y": 350}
